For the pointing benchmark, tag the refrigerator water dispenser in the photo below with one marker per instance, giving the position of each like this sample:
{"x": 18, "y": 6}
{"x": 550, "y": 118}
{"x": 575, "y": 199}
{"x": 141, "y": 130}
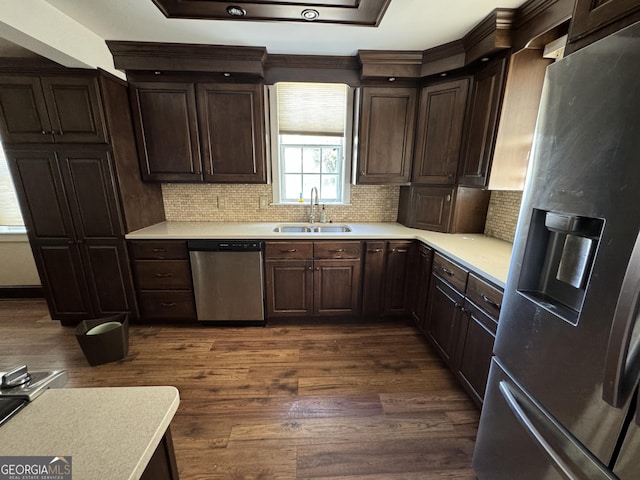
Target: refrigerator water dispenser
{"x": 557, "y": 262}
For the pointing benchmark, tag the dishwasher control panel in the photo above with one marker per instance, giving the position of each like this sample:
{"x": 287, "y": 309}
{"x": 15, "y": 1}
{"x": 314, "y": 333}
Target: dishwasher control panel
{"x": 225, "y": 245}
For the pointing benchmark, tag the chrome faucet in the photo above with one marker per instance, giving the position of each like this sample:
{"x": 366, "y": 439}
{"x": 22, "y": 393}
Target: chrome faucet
{"x": 312, "y": 212}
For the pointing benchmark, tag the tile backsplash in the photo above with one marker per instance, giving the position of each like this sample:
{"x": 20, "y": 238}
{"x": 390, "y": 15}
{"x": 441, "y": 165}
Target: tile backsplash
{"x": 502, "y": 216}
{"x": 200, "y": 203}
{"x": 189, "y": 202}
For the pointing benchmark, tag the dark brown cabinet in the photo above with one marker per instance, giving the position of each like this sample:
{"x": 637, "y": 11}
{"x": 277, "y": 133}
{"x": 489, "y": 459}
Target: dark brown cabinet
{"x": 388, "y": 277}
{"x": 595, "y": 19}
{"x": 70, "y": 203}
{"x": 461, "y": 321}
{"x": 441, "y": 113}
{"x": 232, "y": 133}
{"x": 423, "y": 277}
{"x": 312, "y": 278}
{"x": 444, "y": 312}
{"x": 481, "y": 123}
{"x": 200, "y": 132}
{"x": 166, "y": 124}
{"x": 386, "y": 129}
{"x": 163, "y": 279}
{"x": 51, "y": 109}
{"x": 78, "y": 193}
{"x": 449, "y": 209}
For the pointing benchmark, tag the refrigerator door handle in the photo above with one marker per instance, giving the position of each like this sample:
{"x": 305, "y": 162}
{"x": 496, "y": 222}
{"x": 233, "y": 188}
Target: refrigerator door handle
{"x": 572, "y": 458}
{"x": 622, "y": 362}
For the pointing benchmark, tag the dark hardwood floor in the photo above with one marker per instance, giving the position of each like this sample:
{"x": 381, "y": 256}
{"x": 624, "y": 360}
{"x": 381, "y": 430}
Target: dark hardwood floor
{"x": 362, "y": 401}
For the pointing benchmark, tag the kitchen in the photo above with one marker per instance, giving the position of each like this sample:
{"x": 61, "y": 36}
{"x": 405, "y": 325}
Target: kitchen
{"x": 383, "y": 64}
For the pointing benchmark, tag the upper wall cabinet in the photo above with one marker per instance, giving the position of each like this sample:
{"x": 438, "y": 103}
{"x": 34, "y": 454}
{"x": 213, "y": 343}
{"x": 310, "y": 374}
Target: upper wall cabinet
{"x": 52, "y": 109}
{"x": 231, "y": 119}
{"x": 200, "y": 132}
{"x": 439, "y": 132}
{"x": 387, "y": 124}
{"x": 595, "y": 19}
{"x": 166, "y": 124}
{"x": 481, "y": 124}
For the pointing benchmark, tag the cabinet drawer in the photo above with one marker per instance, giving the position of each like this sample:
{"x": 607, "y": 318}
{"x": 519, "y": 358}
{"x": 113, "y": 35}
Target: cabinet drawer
{"x": 336, "y": 249}
{"x": 450, "y": 272}
{"x": 289, "y": 250}
{"x": 167, "y": 304}
{"x": 160, "y": 250}
{"x": 484, "y": 295}
{"x": 163, "y": 274}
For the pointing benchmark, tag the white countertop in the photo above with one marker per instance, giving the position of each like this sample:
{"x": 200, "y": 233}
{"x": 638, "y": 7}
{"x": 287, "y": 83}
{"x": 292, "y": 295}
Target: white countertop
{"x": 110, "y": 433}
{"x": 488, "y": 256}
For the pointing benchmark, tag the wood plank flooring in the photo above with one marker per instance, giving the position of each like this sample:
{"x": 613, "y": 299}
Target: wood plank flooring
{"x": 362, "y": 401}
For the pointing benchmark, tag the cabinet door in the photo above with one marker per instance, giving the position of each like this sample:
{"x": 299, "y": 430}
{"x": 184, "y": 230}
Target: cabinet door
{"x": 386, "y": 135}
{"x": 398, "y": 295}
{"x": 594, "y": 19}
{"x": 231, "y": 119}
{"x": 336, "y": 287}
{"x": 63, "y": 279}
{"x": 41, "y": 193}
{"x": 431, "y": 208}
{"x": 106, "y": 268}
{"x": 75, "y": 109}
{"x": 166, "y": 125}
{"x": 289, "y": 290}
{"x": 91, "y": 194}
{"x": 423, "y": 276}
{"x": 373, "y": 278}
{"x": 474, "y": 351}
{"x": 439, "y": 132}
{"x": 444, "y": 315}
{"x": 23, "y": 111}
{"x": 481, "y": 125}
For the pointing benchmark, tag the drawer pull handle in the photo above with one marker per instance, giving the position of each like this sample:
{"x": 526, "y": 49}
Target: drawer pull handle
{"x": 159, "y": 250}
{"x": 374, "y": 250}
{"x": 448, "y": 272}
{"x": 489, "y": 301}
{"x": 164, "y": 275}
{"x": 337, "y": 250}
{"x": 399, "y": 250}
{"x": 293, "y": 250}
{"x": 172, "y": 304}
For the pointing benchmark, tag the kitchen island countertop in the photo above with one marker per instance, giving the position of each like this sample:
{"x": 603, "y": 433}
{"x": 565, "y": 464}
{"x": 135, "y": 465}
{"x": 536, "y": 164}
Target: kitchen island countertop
{"x": 110, "y": 433}
{"x": 488, "y": 256}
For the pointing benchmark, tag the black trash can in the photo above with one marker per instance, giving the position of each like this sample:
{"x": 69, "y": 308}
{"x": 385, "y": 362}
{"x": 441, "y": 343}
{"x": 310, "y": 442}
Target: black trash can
{"x": 104, "y": 340}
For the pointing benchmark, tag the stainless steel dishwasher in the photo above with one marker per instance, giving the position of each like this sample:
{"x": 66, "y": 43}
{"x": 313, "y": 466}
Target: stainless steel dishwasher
{"x": 227, "y": 280}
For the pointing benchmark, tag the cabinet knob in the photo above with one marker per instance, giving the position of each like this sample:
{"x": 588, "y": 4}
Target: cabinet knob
{"x": 374, "y": 250}
{"x": 310, "y": 268}
{"x": 448, "y": 272}
{"x": 448, "y": 198}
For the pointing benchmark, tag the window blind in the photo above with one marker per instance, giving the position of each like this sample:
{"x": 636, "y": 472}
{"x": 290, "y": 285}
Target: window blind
{"x": 311, "y": 108}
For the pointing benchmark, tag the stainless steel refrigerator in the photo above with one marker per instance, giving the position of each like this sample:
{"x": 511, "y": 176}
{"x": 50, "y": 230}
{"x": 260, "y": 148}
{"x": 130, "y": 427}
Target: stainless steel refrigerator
{"x": 562, "y": 401}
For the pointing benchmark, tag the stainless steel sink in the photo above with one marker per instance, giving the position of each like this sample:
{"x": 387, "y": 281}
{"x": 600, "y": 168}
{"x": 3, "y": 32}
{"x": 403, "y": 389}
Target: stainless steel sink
{"x": 291, "y": 228}
{"x": 328, "y": 228}
{"x": 332, "y": 228}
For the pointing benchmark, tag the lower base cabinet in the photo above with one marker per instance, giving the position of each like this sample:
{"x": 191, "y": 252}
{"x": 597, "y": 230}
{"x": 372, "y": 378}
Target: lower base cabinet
{"x": 162, "y": 465}
{"x": 460, "y": 321}
{"x": 312, "y": 278}
{"x": 388, "y": 278}
{"x": 163, "y": 279}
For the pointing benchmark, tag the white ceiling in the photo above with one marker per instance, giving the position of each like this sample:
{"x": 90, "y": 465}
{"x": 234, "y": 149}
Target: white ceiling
{"x": 407, "y": 25}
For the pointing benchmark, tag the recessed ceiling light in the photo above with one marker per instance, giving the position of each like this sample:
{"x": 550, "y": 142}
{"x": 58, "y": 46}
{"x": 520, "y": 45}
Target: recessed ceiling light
{"x": 310, "y": 14}
{"x": 236, "y": 11}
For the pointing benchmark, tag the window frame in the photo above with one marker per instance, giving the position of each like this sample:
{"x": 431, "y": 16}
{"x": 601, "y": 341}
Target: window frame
{"x": 275, "y": 148}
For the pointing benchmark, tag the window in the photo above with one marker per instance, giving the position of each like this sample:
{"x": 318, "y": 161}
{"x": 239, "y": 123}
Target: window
{"x": 9, "y": 210}
{"x": 311, "y": 126}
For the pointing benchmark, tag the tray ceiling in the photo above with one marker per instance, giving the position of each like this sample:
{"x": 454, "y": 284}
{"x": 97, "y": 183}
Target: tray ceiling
{"x": 346, "y": 12}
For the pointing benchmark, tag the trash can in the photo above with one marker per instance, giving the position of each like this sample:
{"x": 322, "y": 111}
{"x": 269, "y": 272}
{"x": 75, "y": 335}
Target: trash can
{"x": 104, "y": 340}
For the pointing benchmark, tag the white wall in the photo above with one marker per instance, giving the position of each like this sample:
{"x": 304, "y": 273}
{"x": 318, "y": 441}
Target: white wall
{"x": 17, "y": 267}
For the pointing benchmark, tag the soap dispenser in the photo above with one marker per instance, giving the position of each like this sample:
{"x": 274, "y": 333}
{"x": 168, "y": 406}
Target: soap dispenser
{"x": 323, "y": 215}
